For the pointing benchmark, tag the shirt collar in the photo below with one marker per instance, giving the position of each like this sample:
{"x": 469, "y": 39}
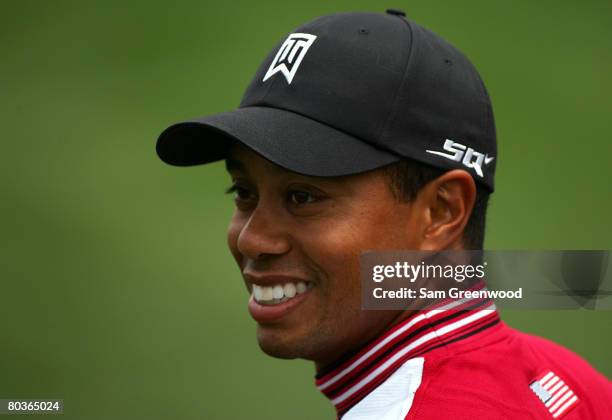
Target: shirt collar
{"x": 356, "y": 376}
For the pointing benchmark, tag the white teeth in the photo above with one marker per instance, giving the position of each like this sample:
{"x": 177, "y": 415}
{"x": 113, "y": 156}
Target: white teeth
{"x": 289, "y": 290}
{"x": 267, "y": 293}
{"x": 257, "y": 292}
{"x": 301, "y": 287}
{"x": 278, "y": 293}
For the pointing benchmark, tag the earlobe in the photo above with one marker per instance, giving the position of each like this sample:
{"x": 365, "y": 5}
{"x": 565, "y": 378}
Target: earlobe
{"x": 450, "y": 199}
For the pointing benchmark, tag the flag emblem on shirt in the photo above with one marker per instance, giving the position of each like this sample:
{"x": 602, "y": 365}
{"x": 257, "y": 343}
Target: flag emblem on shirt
{"x": 554, "y": 393}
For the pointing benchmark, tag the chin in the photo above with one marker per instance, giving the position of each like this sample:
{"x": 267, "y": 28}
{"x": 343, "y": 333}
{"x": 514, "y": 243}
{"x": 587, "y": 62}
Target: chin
{"x": 282, "y": 344}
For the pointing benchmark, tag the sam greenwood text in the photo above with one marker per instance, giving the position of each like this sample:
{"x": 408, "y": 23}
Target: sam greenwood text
{"x": 453, "y": 293}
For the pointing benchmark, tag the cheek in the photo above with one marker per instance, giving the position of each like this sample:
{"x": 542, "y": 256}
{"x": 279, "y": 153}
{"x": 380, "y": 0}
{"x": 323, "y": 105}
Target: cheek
{"x": 337, "y": 249}
{"x": 336, "y": 252}
{"x": 233, "y": 232}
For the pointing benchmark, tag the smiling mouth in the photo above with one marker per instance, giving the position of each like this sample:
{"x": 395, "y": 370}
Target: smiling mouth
{"x": 279, "y": 293}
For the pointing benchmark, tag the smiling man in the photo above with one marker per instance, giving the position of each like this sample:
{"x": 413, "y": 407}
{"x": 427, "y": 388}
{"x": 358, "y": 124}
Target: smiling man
{"x": 363, "y": 132}
{"x": 297, "y": 240}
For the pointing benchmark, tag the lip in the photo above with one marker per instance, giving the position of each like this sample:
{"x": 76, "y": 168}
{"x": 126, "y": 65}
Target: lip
{"x": 270, "y": 314}
{"x": 271, "y": 279}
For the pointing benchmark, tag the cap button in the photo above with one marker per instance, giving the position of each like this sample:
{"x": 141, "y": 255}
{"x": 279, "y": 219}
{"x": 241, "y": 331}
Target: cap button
{"x": 396, "y": 12}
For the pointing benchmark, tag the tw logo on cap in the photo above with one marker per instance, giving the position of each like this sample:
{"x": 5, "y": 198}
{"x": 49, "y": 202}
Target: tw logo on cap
{"x": 469, "y": 157}
{"x": 290, "y": 55}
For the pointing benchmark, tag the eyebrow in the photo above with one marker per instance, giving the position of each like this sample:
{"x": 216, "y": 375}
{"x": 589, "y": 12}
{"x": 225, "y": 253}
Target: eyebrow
{"x": 234, "y": 165}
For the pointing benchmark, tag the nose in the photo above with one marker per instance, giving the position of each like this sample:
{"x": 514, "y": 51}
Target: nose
{"x": 263, "y": 234}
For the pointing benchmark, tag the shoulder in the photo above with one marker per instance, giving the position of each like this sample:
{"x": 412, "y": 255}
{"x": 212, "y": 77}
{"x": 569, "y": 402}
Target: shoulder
{"x": 495, "y": 380}
{"x": 591, "y": 389}
{"x": 545, "y": 353}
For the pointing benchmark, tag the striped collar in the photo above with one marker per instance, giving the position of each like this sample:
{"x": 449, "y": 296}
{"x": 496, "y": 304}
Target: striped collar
{"x": 448, "y": 322}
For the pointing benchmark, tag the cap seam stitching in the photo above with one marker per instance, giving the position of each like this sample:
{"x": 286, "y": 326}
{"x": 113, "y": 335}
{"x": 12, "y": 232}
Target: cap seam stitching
{"x": 393, "y": 111}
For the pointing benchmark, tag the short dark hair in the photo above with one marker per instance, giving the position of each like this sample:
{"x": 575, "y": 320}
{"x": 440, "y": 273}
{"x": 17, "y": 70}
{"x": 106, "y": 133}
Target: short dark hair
{"x": 407, "y": 177}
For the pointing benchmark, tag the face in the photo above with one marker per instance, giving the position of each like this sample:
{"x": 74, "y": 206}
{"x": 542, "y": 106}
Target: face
{"x": 297, "y": 240}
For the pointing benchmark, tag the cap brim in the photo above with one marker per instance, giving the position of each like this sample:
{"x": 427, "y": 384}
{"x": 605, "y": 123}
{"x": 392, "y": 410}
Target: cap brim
{"x": 285, "y": 138}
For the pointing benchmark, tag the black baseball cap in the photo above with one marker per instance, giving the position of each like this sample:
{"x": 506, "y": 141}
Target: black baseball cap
{"x": 351, "y": 92}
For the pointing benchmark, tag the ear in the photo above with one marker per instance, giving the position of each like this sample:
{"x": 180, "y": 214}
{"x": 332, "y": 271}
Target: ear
{"x": 448, "y": 201}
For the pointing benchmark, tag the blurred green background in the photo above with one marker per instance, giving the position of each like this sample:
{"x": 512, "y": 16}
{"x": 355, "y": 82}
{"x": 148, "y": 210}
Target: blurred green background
{"x": 117, "y": 291}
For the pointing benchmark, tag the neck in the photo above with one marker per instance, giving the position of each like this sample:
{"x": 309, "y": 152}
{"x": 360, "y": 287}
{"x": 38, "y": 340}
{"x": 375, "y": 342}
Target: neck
{"x": 327, "y": 363}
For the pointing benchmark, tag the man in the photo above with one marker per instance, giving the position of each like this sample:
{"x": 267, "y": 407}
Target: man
{"x": 366, "y": 131}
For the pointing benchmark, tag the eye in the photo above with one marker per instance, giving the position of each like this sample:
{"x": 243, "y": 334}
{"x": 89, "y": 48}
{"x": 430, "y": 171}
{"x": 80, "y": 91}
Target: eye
{"x": 301, "y": 197}
{"x": 240, "y": 193}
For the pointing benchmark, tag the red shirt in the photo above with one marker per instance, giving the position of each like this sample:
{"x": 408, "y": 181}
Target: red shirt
{"x": 460, "y": 361}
